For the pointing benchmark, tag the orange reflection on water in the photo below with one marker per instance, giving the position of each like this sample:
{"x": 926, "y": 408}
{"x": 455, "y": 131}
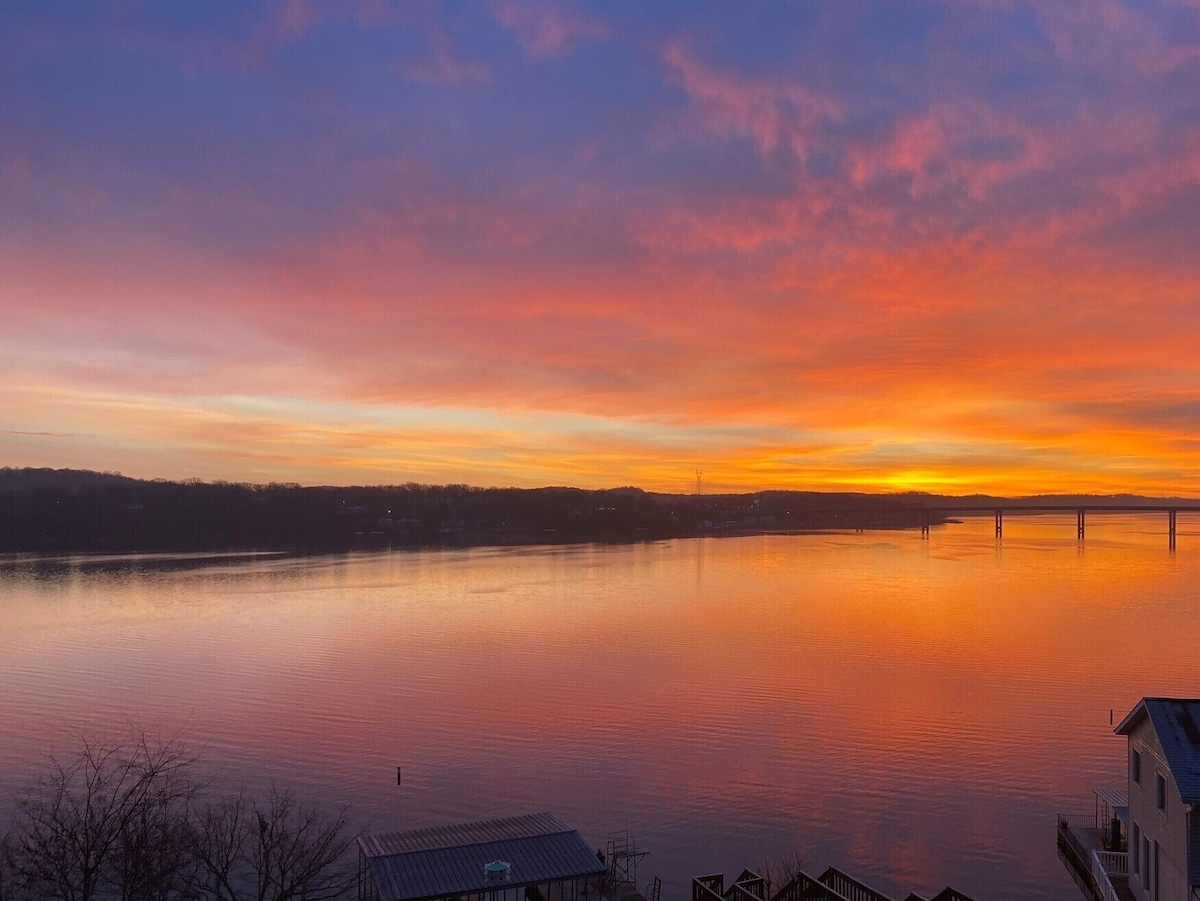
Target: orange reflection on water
{"x": 881, "y": 700}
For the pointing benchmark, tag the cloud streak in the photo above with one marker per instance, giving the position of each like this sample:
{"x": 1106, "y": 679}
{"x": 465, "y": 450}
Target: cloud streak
{"x": 945, "y": 247}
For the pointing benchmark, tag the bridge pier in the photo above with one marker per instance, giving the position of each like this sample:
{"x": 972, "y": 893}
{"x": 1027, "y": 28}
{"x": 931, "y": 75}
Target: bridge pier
{"x": 927, "y": 516}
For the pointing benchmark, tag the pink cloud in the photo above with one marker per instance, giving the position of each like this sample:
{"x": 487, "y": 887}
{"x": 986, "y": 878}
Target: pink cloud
{"x": 726, "y": 103}
{"x": 547, "y": 28}
{"x": 441, "y": 66}
{"x": 962, "y": 278}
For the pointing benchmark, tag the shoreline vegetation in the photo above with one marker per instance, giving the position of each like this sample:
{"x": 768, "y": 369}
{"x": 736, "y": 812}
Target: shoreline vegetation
{"x": 133, "y": 819}
{"x": 55, "y": 511}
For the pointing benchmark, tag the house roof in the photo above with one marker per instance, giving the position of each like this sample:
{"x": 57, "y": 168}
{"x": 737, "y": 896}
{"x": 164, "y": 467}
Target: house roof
{"x": 1176, "y": 722}
{"x": 449, "y": 860}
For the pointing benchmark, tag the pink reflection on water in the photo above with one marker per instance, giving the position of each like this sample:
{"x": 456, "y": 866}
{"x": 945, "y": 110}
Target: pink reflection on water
{"x": 914, "y": 711}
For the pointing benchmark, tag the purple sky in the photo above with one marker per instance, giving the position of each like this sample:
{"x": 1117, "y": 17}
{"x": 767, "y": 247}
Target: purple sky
{"x": 881, "y": 245}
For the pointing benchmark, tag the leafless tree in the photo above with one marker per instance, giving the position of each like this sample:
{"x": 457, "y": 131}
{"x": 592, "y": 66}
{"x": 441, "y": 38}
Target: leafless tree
{"x": 273, "y": 849}
{"x": 777, "y": 872}
{"x": 219, "y": 834}
{"x": 111, "y": 822}
{"x": 6, "y": 883}
{"x": 152, "y": 860}
{"x": 125, "y": 822}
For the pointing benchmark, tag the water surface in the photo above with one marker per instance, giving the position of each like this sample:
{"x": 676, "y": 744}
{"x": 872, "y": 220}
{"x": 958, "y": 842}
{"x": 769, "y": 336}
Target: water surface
{"x": 913, "y": 711}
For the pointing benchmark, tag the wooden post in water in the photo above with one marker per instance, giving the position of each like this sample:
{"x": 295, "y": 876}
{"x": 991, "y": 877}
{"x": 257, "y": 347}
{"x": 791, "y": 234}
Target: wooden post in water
{"x": 999, "y": 523}
{"x": 1079, "y": 524}
{"x": 1171, "y": 528}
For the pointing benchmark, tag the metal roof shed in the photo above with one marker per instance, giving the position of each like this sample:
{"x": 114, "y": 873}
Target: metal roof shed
{"x": 543, "y": 856}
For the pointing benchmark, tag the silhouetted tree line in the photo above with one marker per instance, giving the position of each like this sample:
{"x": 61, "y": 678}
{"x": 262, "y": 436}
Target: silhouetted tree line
{"x": 129, "y": 821}
{"x": 55, "y": 511}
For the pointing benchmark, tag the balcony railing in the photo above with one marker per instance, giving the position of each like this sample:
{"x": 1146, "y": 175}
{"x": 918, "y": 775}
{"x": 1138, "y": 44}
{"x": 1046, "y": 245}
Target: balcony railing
{"x": 1106, "y": 864}
{"x": 1115, "y": 863}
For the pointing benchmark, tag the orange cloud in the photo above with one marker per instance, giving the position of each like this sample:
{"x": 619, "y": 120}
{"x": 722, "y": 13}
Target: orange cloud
{"x": 968, "y": 267}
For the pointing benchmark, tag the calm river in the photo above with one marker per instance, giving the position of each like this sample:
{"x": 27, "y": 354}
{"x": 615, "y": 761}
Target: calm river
{"x": 913, "y": 711}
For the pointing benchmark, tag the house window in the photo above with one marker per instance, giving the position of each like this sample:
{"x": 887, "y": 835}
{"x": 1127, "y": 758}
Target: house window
{"x": 1156, "y": 895}
{"x": 1135, "y": 767}
{"x": 1160, "y": 785}
{"x": 1146, "y": 860}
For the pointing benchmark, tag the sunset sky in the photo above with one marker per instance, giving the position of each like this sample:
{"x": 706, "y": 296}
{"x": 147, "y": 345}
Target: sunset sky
{"x": 949, "y": 246}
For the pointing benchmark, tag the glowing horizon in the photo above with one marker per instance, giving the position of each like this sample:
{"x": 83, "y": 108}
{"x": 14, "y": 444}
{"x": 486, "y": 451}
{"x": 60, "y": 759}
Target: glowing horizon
{"x": 945, "y": 247}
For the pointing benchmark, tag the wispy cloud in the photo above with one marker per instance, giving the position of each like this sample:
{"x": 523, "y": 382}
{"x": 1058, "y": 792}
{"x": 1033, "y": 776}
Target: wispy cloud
{"x": 548, "y": 28}
{"x": 948, "y": 245}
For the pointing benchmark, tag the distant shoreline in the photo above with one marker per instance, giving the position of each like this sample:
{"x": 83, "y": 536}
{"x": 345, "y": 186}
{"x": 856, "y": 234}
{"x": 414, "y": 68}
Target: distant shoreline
{"x": 55, "y": 512}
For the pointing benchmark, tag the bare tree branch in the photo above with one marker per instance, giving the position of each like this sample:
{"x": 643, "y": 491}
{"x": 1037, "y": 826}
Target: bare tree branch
{"x": 298, "y": 852}
{"x": 272, "y": 849}
{"x": 777, "y": 872}
{"x": 218, "y": 836}
{"x": 125, "y": 821}
{"x": 111, "y": 821}
{"x": 7, "y": 889}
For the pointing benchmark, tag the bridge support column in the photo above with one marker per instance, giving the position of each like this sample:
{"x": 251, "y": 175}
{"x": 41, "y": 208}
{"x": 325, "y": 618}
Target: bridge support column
{"x": 999, "y": 523}
{"x": 1171, "y": 528}
{"x": 1079, "y": 529}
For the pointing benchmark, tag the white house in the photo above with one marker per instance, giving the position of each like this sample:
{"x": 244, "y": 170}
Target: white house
{"x": 1164, "y": 798}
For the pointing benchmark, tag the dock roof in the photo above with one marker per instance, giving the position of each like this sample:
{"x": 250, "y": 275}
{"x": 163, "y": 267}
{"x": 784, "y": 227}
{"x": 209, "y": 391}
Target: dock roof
{"x": 439, "y": 862}
{"x": 1176, "y": 722}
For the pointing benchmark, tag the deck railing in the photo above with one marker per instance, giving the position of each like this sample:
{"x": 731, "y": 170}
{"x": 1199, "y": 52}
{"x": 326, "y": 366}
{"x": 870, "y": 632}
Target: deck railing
{"x": 740, "y": 892}
{"x": 1101, "y": 874}
{"x": 1083, "y": 862}
{"x": 1067, "y": 834}
{"x": 803, "y": 887}
{"x": 708, "y": 888}
{"x": 1115, "y": 863}
{"x": 850, "y": 888}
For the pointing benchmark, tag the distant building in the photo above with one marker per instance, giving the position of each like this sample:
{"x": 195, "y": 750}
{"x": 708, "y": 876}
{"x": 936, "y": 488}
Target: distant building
{"x": 1164, "y": 798}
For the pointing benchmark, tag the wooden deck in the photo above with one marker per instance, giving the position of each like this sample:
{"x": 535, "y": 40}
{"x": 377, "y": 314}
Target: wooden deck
{"x": 1077, "y": 839}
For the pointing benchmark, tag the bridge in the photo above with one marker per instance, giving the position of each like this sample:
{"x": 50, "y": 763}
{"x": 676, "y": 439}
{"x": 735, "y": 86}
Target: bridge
{"x": 861, "y": 517}
{"x": 1080, "y": 511}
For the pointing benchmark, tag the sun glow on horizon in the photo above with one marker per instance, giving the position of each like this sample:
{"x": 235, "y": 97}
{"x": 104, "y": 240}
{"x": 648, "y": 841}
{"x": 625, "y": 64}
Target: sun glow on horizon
{"x": 384, "y": 245}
